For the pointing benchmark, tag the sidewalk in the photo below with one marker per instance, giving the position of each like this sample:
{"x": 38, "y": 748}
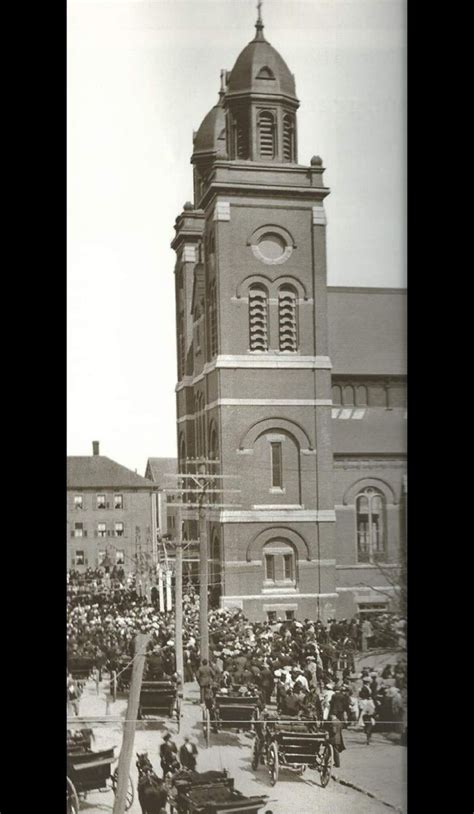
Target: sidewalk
{"x": 378, "y": 770}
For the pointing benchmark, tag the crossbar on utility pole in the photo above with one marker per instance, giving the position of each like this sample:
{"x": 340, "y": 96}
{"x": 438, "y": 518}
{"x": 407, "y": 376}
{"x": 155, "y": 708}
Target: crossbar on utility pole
{"x": 129, "y": 727}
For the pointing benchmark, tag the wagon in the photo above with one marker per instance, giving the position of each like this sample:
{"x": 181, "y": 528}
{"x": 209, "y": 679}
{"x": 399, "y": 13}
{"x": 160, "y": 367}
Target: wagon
{"x": 295, "y": 745}
{"x": 88, "y": 771}
{"x": 159, "y": 698}
{"x": 80, "y": 667}
{"x": 235, "y": 711}
{"x": 196, "y": 796}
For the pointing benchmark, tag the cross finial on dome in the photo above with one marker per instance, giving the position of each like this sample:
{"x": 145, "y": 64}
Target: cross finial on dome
{"x": 259, "y": 23}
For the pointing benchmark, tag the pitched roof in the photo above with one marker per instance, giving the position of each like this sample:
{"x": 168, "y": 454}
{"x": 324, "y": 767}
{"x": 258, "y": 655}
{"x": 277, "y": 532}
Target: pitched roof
{"x": 378, "y": 431}
{"x": 367, "y": 331}
{"x": 94, "y": 471}
{"x": 158, "y": 468}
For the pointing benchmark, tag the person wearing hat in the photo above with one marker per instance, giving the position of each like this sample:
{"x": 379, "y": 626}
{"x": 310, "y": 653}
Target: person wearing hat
{"x": 188, "y": 754}
{"x": 168, "y": 755}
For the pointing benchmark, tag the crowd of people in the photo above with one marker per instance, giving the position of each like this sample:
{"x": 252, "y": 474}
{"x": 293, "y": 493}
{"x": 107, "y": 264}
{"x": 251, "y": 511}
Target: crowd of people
{"x": 301, "y": 664}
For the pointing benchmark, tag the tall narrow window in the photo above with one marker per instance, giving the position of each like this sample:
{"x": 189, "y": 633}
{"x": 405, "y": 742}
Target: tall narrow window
{"x": 101, "y": 530}
{"x": 266, "y": 135}
{"x": 270, "y": 567}
{"x": 277, "y": 473}
{"x": 101, "y": 504}
{"x": 119, "y": 529}
{"x": 212, "y": 321}
{"x": 181, "y": 347}
{"x": 118, "y": 501}
{"x": 288, "y": 138}
{"x": 78, "y": 502}
{"x": 288, "y": 566}
{"x": 288, "y": 319}
{"x": 370, "y": 526}
{"x": 258, "y": 318}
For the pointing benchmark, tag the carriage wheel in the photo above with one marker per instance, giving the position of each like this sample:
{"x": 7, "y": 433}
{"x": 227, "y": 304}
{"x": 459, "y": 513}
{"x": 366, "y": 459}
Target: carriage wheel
{"x": 130, "y": 792}
{"x": 272, "y": 762}
{"x": 72, "y": 798}
{"x": 255, "y": 754}
{"x": 325, "y": 768}
{"x": 206, "y": 725}
{"x": 178, "y": 712}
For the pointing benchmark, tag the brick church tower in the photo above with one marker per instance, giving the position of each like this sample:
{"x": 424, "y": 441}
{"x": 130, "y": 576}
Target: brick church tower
{"x": 254, "y": 373}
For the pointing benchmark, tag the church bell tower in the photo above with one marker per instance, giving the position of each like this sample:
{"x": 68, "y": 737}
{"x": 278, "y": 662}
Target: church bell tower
{"x": 254, "y": 373}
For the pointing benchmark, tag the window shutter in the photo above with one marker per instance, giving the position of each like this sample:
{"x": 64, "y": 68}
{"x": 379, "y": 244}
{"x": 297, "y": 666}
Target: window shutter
{"x": 72, "y": 533}
{"x": 84, "y": 533}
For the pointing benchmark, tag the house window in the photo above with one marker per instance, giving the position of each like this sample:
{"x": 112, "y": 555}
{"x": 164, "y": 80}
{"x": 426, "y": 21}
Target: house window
{"x": 266, "y": 135}
{"x": 279, "y": 559}
{"x": 288, "y": 319}
{"x": 101, "y": 530}
{"x": 78, "y": 530}
{"x": 258, "y": 318}
{"x": 240, "y": 131}
{"x": 290, "y": 614}
{"x": 101, "y": 504}
{"x": 101, "y": 557}
{"x": 370, "y": 510}
{"x": 271, "y": 616}
{"x": 181, "y": 347}
{"x": 78, "y": 502}
{"x": 119, "y": 529}
{"x": 212, "y": 321}
{"x": 118, "y": 501}
{"x": 120, "y": 557}
{"x": 277, "y": 473}
{"x": 80, "y": 559}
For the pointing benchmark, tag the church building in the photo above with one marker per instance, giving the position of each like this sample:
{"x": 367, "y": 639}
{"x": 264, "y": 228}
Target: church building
{"x": 295, "y": 389}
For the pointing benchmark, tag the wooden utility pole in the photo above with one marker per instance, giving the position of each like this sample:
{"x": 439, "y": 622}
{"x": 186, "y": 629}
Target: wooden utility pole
{"x": 203, "y": 580}
{"x": 179, "y": 596}
{"x": 126, "y": 751}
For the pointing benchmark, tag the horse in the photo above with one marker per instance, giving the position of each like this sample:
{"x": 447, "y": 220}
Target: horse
{"x": 152, "y": 795}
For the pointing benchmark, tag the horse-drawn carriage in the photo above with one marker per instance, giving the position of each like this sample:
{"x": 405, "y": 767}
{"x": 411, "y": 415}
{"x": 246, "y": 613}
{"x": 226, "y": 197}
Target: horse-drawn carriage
{"x": 229, "y": 710}
{"x": 80, "y": 667}
{"x": 294, "y": 744}
{"x": 211, "y": 793}
{"x": 88, "y": 770}
{"x": 159, "y": 698}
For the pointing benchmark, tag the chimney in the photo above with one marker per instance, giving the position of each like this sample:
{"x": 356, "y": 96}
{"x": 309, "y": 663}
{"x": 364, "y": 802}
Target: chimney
{"x": 95, "y": 448}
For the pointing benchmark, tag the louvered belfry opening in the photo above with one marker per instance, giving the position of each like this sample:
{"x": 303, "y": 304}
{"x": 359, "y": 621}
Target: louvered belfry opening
{"x": 266, "y": 134}
{"x": 240, "y": 127}
{"x": 288, "y": 319}
{"x": 258, "y": 318}
{"x": 288, "y": 138}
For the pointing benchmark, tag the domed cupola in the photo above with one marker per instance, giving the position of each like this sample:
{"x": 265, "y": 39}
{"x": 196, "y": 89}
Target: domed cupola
{"x": 261, "y": 103}
{"x": 209, "y": 143}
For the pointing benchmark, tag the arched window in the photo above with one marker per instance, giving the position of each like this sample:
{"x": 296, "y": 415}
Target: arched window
{"x": 348, "y": 396}
{"x": 288, "y": 318}
{"x": 361, "y": 395}
{"x": 288, "y": 138}
{"x": 279, "y": 564}
{"x": 258, "y": 318}
{"x": 266, "y": 134}
{"x": 212, "y": 321}
{"x": 336, "y": 395}
{"x": 213, "y": 448}
{"x": 181, "y": 346}
{"x": 370, "y": 510}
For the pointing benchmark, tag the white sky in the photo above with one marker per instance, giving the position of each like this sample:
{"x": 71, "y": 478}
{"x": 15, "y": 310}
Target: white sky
{"x": 141, "y": 77}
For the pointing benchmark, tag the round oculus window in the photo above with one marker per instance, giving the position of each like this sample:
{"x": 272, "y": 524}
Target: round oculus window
{"x": 272, "y": 248}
